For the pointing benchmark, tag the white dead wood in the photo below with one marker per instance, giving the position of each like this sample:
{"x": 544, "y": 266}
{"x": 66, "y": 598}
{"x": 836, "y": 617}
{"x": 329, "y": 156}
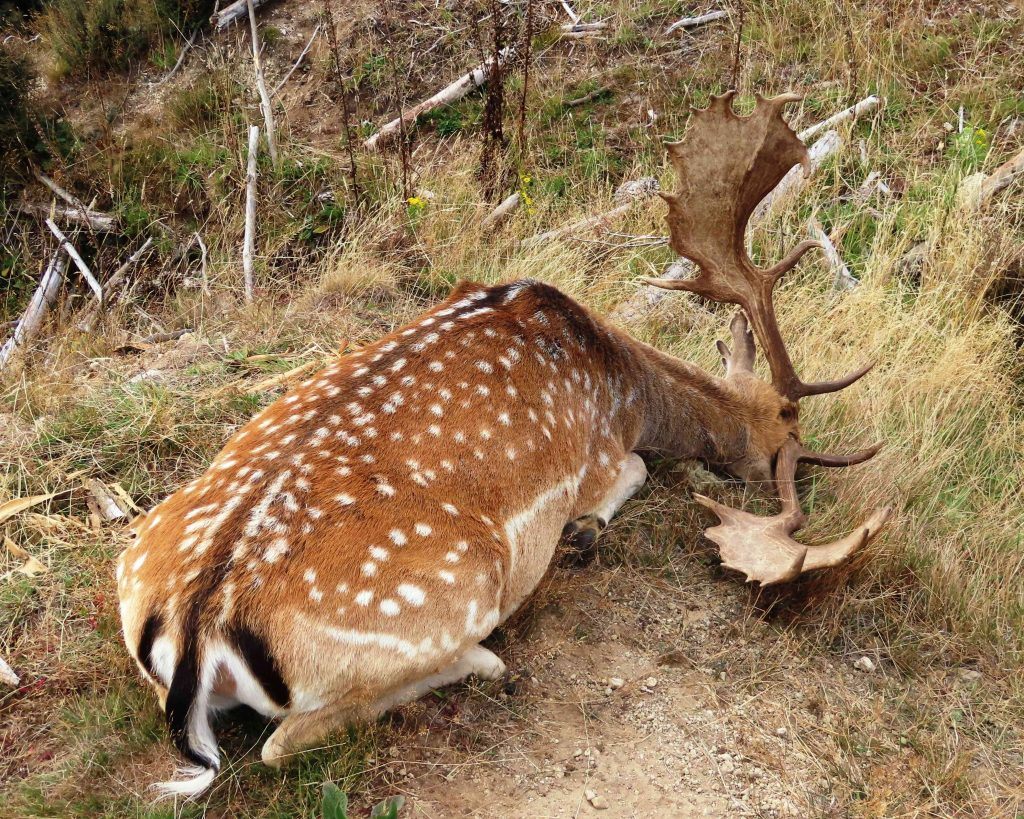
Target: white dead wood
{"x": 250, "y": 211}
{"x": 261, "y": 86}
{"x": 570, "y": 11}
{"x": 583, "y": 28}
{"x": 978, "y": 188}
{"x": 699, "y": 20}
{"x": 7, "y": 674}
{"x": 106, "y": 505}
{"x": 853, "y": 112}
{"x": 43, "y": 297}
{"x": 645, "y": 300}
{"x": 298, "y": 62}
{"x": 93, "y": 219}
{"x": 78, "y": 211}
{"x": 843, "y": 279}
{"x": 83, "y": 268}
{"x": 232, "y": 13}
{"x": 446, "y": 96}
{"x": 497, "y": 216}
{"x": 113, "y": 288}
{"x": 204, "y": 277}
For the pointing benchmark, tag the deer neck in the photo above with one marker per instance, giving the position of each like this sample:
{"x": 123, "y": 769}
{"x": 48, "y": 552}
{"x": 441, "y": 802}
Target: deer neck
{"x": 686, "y": 412}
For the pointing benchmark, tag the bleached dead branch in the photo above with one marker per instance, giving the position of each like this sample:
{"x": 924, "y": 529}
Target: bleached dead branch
{"x": 43, "y": 297}
{"x": 581, "y": 226}
{"x": 502, "y": 212}
{"x": 83, "y": 268}
{"x": 112, "y": 288}
{"x": 94, "y": 219}
{"x": 261, "y": 86}
{"x": 699, "y": 20}
{"x": 229, "y": 14}
{"x": 298, "y": 62}
{"x": 843, "y": 279}
{"x": 250, "y": 211}
{"x": 853, "y": 112}
{"x": 181, "y": 58}
{"x": 7, "y": 674}
{"x": 446, "y": 96}
{"x": 97, "y": 221}
{"x": 976, "y": 190}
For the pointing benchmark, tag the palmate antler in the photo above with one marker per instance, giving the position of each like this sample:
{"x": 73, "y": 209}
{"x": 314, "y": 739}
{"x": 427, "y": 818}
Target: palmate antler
{"x": 707, "y": 220}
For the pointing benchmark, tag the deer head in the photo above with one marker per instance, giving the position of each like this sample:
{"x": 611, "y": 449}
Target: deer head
{"x": 726, "y": 164}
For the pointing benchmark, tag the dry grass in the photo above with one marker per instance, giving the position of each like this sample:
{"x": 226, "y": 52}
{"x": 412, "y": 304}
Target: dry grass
{"x": 941, "y": 590}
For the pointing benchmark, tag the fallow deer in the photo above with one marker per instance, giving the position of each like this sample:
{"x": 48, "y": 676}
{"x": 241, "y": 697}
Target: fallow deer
{"x": 353, "y": 543}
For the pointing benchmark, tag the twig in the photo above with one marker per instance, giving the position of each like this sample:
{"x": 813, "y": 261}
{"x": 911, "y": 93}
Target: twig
{"x": 854, "y": 111}
{"x": 502, "y": 212}
{"x": 161, "y": 338}
{"x": 699, "y": 20}
{"x": 580, "y": 28}
{"x": 202, "y": 262}
{"x": 261, "y": 85}
{"x": 181, "y": 58}
{"x": 229, "y": 14}
{"x": 78, "y": 260}
{"x": 451, "y": 93}
{"x": 844, "y": 279}
{"x": 593, "y": 95}
{"x": 250, "y": 211}
{"x": 77, "y": 204}
{"x": 113, "y": 286}
{"x": 305, "y": 51}
{"x": 569, "y": 10}
{"x": 44, "y": 295}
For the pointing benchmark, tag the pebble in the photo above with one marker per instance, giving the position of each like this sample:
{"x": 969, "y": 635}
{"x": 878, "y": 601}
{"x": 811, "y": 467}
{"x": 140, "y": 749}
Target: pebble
{"x": 616, "y": 682}
{"x": 781, "y": 733}
{"x": 864, "y": 664}
{"x": 595, "y": 799}
{"x": 969, "y": 675}
{"x": 651, "y": 682}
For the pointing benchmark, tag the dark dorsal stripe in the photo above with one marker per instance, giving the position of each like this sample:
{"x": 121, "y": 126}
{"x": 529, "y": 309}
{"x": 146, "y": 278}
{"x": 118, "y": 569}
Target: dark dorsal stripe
{"x": 150, "y": 631}
{"x": 256, "y": 653}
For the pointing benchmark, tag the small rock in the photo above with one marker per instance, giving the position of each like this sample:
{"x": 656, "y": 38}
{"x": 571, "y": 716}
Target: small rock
{"x": 616, "y": 682}
{"x": 590, "y": 794}
{"x": 864, "y": 664}
{"x": 781, "y": 733}
{"x": 969, "y": 674}
{"x": 651, "y": 682}
{"x": 727, "y": 767}
{"x": 599, "y": 803}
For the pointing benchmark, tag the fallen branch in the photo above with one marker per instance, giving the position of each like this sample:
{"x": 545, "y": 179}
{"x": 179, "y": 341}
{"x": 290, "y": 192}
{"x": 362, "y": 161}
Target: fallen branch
{"x": 298, "y": 62}
{"x": 103, "y": 502}
{"x": 699, "y": 20}
{"x": 854, "y": 111}
{"x": 113, "y": 287}
{"x": 44, "y": 296}
{"x": 77, "y": 259}
{"x": 446, "y": 96}
{"x": 204, "y": 278}
{"x": 229, "y": 14}
{"x": 843, "y": 278}
{"x": 181, "y": 58}
{"x": 502, "y": 212}
{"x": 261, "y": 86}
{"x": 593, "y": 95}
{"x": 569, "y": 10}
{"x": 97, "y": 221}
{"x": 250, "y": 211}
{"x": 102, "y": 220}
{"x": 583, "y": 28}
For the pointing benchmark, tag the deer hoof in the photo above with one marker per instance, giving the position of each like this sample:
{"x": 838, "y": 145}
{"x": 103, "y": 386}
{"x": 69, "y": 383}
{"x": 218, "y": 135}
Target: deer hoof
{"x": 580, "y": 539}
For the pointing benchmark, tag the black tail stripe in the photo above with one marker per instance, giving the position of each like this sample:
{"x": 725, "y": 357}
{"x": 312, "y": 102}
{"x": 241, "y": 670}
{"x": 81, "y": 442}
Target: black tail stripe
{"x": 150, "y": 631}
{"x": 180, "y": 700}
{"x": 261, "y": 662}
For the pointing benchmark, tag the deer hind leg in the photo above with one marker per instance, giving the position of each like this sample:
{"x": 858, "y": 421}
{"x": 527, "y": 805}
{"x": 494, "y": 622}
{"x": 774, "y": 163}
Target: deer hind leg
{"x": 297, "y": 732}
{"x": 580, "y": 535}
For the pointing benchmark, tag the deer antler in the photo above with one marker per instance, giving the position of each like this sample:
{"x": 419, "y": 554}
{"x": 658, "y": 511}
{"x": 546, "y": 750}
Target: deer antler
{"x": 707, "y": 220}
{"x": 708, "y": 217}
{"x": 763, "y": 548}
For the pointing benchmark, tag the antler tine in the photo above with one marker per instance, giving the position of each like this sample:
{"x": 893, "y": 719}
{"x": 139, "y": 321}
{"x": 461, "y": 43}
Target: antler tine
{"x": 741, "y": 357}
{"x": 763, "y": 547}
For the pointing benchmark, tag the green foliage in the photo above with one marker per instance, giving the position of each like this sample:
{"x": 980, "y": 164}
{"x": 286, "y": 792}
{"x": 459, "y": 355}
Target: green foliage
{"x": 108, "y": 35}
{"x": 388, "y": 809}
{"x": 335, "y": 804}
{"x": 969, "y": 147}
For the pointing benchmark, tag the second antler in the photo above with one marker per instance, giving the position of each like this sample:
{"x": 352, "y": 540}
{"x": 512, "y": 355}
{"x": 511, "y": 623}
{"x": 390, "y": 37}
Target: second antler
{"x": 726, "y": 164}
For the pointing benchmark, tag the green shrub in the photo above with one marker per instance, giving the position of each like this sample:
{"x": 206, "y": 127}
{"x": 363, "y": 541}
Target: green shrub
{"x": 109, "y": 35}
